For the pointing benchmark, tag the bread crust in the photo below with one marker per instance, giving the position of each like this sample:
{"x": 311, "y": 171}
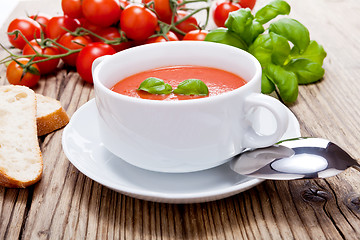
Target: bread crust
{"x": 10, "y": 182}
{"x": 51, "y": 122}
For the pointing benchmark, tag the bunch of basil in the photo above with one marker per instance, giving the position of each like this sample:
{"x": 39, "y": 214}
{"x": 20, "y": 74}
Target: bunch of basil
{"x": 287, "y": 55}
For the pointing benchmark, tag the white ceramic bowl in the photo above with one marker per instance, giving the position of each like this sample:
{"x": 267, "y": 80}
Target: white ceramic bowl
{"x": 188, "y": 135}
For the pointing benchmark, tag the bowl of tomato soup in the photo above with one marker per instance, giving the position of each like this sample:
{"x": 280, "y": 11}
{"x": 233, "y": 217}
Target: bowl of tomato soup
{"x": 182, "y": 106}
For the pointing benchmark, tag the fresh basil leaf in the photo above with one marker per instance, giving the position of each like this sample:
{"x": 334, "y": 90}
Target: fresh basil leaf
{"x": 286, "y": 82}
{"x": 281, "y": 49}
{"x": 155, "y": 86}
{"x": 292, "y": 30}
{"x": 272, "y": 10}
{"x": 223, "y": 35}
{"x": 192, "y": 87}
{"x": 267, "y": 86}
{"x": 242, "y": 22}
{"x": 261, "y": 49}
{"x": 270, "y": 48}
{"x": 314, "y": 52}
{"x": 306, "y": 70}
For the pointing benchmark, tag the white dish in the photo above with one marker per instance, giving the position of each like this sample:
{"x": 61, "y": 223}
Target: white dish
{"x": 83, "y": 148}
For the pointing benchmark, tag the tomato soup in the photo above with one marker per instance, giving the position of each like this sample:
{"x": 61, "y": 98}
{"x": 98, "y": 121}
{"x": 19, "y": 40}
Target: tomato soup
{"x": 218, "y": 81}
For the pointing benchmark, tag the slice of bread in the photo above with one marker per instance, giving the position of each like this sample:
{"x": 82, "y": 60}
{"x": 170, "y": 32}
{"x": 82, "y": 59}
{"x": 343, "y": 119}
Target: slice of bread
{"x": 21, "y": 162}
{"x": 50, "y": 115}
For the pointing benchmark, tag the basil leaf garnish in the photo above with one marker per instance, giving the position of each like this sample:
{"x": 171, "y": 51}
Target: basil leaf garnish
{"x": 192, "y": 87}
{"x": 155, "y": 86}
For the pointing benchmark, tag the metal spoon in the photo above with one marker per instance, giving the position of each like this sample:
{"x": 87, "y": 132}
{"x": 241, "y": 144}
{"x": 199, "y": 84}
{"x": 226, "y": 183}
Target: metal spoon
{"x": 294, "y": 159}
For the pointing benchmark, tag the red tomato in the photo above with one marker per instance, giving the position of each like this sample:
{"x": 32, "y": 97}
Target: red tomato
{"x": 14, "y": 73}
{"x": 187, "y": 25}
{"x": 196, "y": 35}
{"x": 138, "y": 22}
{"x": 58, "y": 25}
{"x": 91, "y": 27}
{"x": 170, "y": 37}
{"x": 222, "y": 10}
{"x": 46, "y": 66}
{"x": 72, "y": 8}
{"x": 28, "y": 27}
{"x": 87, "y": 56}
{"x": 101, "y": 12}
{"x": 247, "y": 3}
{"x": 113, "y": 34}
{"x": 72, "y": 42}
{"x": 42, "y": 19}
{"x": 162, "y": 9}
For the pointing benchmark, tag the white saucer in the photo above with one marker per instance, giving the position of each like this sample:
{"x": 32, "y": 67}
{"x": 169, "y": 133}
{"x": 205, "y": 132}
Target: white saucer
{"x": 81, "y": 144}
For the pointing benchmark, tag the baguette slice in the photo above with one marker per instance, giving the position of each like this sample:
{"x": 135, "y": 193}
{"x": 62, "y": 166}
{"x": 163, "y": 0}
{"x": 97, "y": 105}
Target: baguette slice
{"x": 50, "y": 115}
{"x": 21, "y": 161}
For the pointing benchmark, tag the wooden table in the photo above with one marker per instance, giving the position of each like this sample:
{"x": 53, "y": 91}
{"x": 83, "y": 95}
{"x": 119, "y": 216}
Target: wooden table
{"x": 66, "y": 204}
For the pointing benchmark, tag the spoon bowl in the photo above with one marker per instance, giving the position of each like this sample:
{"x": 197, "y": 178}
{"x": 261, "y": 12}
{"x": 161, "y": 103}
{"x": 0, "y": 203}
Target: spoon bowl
{"x": 296, "y": 158}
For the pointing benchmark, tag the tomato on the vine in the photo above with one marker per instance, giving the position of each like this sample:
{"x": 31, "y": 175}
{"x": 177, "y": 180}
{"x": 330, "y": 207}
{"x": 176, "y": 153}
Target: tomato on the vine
{"x": 42, "y": 19}
{"x": 247, "y": 3}
{"x": 101, "y": 12}
{"x": 91, "y": 27}
{"x": 46, "y": 66}
{"x": 72, "y": 42}
{"x": 222, "y": 10}
{"x": 186, "y": 25}
{"x": 87, "y": 56}
{"x": 27, "y": 26}
{"x": 17, "y": 75}
{"x": 138, "y": 22}
{"x": 162, "y": 9}
{"x": 72, "y": 8}
{"x": 196, "y": 35}
{"x": 170, "y": 36}
{"x": 113, "y": 34}
{"x": 58, "y": 25}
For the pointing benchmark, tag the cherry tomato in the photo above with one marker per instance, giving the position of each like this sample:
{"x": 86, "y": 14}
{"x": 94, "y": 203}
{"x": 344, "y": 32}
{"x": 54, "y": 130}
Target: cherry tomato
{"x": 87, "y": 56}
{"x": 138, "y": 22}
{"x": 42, "y": 19}
{"x": 101, "y": 12}
{"x": 15, "y": 76}
{"x": 187, "y": 25}
{"x": 72, "y": 42}
{"x": 46, "y": 66}
{"x": 113, "y": 34}
{"x": 196, "y": 35}
{"x": 222, "y": 10}
{"x": 91, "y": 27}
{"x": 162, "y": 9}
{"x": 58, "y": 25}
{"x": 72, "y": 8}
{"x": 247, "y": 3}
{"x": 28, "y": 27}
{"x": 170, "y": 37}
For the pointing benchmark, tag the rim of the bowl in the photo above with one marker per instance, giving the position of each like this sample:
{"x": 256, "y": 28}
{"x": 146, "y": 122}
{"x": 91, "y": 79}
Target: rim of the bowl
{"x": 98, "y": 84}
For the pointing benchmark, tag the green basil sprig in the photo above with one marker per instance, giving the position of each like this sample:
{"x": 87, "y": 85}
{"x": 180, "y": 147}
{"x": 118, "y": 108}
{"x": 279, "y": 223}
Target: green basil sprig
{"x": 187, "y": 87}
{"x": 284, "y": 65}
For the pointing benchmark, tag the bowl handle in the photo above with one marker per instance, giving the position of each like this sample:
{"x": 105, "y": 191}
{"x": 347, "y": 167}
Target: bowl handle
{"x": 253, "y": 139}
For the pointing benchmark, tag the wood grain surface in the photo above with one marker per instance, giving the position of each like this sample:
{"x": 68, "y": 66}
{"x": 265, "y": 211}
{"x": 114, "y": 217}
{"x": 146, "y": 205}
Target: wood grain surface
{"x": 65, "y": 204}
